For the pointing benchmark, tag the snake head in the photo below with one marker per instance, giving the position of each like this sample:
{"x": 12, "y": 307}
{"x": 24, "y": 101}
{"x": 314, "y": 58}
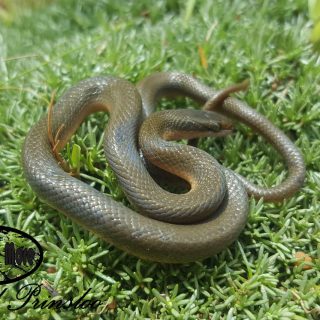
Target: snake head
{"x": 191, "y": 124}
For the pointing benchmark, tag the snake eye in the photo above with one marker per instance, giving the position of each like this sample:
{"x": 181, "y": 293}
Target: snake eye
{"x": 215, "y": 126}
{"x": 226, "y": 126}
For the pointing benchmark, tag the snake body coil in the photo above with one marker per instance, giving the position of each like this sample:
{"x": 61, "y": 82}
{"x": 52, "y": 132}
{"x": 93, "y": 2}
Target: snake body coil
{"x": 154, "y": 234}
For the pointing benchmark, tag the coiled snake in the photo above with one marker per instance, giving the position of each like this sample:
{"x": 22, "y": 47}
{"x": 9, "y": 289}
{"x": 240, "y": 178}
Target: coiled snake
{"x": 172, "y": 228}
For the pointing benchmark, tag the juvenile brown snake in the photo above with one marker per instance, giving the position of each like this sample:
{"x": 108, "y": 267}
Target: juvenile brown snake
{"x": 173, "y": 228}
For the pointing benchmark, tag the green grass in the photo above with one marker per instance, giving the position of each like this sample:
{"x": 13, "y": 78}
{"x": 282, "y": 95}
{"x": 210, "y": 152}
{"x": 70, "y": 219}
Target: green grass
{"x": 56, "y": 43}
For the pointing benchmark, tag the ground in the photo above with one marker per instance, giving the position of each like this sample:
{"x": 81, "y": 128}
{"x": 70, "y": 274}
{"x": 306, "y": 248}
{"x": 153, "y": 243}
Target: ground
{"x": 51, "y": 45}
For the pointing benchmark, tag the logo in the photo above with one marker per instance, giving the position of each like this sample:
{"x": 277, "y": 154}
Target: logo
{"x": 20, "y": 255}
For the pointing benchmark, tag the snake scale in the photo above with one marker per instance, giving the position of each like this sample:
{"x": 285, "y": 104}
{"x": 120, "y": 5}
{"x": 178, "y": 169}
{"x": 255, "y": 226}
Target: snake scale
{"x": 166, "y": 227}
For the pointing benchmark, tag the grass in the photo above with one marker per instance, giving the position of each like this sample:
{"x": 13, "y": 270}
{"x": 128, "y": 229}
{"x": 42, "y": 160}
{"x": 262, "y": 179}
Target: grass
{"x": 46, "y": 46}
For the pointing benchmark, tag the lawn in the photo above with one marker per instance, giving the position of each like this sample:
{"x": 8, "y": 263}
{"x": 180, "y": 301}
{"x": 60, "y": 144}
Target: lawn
{"x": 51, "y": 45}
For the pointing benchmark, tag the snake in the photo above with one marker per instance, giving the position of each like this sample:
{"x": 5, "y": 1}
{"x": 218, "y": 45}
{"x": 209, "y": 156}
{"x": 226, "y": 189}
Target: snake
{"x": 161, "y": 226}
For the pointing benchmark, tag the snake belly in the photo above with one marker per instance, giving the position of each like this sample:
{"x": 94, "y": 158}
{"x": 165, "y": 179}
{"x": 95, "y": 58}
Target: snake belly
{"x": 129, "y": 230}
